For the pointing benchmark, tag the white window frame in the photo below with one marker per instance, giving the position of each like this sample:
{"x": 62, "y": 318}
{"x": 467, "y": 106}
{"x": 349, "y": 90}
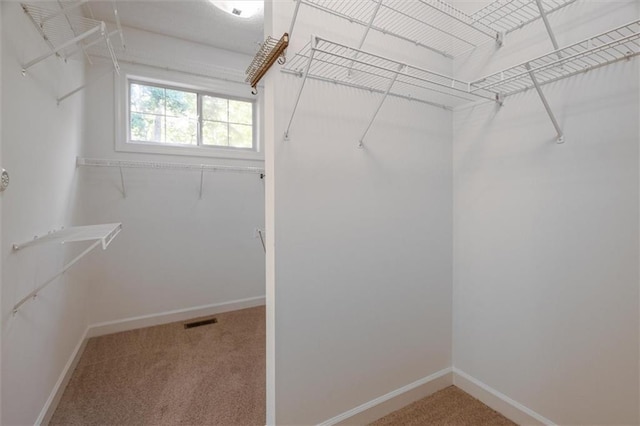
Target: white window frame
{"x": 205, "y": 86}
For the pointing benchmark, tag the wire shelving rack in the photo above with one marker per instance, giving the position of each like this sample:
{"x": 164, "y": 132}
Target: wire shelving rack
{"x": 435, "y": 24}
{"x": 336, "y": 63}
{"x": 67, "y": 33}
{"x": 597, "y": 51}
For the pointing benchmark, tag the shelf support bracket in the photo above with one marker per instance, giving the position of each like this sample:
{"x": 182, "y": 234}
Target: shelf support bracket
{"x": 365, "y": 34}
{"x": 384, "y": 97}
{"x": 201, "y": 182}
{"x": 295, "y": 16}
{"x": 79, "y": 88}
{"x": 366, "y": 31}
{"x": 124, "y": 189}
{"x": 35, "y": 292}
{"x": 552, "y": 36}
{"x": 312, "y": 51}
{"x": 545, "y": 103}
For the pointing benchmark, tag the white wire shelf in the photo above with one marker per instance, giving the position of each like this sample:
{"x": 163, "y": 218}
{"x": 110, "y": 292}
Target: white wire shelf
{"x": 128, "y": 164}
{"x": 105, "y": 233}
{"x": 609, "y": 47}
{"x": 435, "y": 24}
{"x": 66, "y": 33}
{"x": 202, "y": 168}
{"x": 509, "y": 15}
{"x": 101, "y": 234}
{"x": 337, "y": 63}
{"x": 432, "y": 24}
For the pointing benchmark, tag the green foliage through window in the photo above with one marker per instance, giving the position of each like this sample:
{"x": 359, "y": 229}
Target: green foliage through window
{"x": 173, "y": 116}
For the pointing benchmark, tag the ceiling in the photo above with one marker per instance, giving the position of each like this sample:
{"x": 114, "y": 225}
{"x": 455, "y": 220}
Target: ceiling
{"x": 194, "y": 20}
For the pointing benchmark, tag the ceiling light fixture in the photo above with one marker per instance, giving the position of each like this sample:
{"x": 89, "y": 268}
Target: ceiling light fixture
{"x": 240, "y": 8}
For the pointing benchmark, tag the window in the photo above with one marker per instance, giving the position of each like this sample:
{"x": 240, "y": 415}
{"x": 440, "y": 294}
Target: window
{"x": 160, "y": 114}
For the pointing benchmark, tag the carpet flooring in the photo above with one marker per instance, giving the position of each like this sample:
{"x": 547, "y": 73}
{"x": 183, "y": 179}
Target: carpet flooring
{"x": 209, "y": 375}
{"x": 450, "y": 406}
{"x": 169, "y": 375}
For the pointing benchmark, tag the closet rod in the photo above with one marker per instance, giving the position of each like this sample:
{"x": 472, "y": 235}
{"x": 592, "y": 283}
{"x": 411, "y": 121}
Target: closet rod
{"x": 129, "y": 164}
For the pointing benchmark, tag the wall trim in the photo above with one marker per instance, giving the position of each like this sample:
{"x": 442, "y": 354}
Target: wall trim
{"x": 58, "y": 389}
{"x": 348, "y": 416}
{"x": 500, "y": 402}
{"x": 126, "y": 324}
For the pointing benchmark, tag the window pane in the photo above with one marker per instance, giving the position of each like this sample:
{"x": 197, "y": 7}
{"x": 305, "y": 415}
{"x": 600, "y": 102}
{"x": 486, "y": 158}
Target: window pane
{"x": 240, "y": 136}
{"x": 215, "y": 133}
{"x": 181, "y": 130}
{"x": 181, "y": 104}
{"x": 240, "y": 112}
{"x": 147, "y": 127}
{"x": 215, "y": 108}
{"x": 147, "y": 99}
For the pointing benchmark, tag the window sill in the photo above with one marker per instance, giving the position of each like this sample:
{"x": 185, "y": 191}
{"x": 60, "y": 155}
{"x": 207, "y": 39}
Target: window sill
{"x": 192, "y": 151}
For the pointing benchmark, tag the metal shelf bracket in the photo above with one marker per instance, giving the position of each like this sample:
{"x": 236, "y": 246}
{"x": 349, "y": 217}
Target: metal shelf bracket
{"x": 384, "y": 97}
{"x": 560, "y": 138}
{"x": 314, "y": 43}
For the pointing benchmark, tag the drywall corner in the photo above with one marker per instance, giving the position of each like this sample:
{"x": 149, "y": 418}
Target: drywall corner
{"x": 395, "y": 400}
{"x": 506, "y": 406}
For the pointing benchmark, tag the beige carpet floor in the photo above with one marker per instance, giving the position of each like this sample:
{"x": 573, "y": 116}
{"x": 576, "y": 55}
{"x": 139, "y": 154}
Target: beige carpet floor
{"x": 451, "y": 407}
{"x": 168, "y": 375}
{"x": 209, "y": 375}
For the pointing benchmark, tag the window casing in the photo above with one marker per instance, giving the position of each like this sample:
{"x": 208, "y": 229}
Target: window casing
{"x": 187, "y": 115}
{"x": 176, "y": 116}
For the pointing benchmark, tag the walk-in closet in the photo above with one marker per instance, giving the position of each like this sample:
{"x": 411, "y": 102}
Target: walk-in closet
{"x": 320, "y": 212}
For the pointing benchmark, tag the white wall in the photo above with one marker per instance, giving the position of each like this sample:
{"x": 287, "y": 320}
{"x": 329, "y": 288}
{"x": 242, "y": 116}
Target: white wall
{"x": 362, "y": 238}
{"x": 1, "y": 95}
{"x": 39, "y": 144}
{"x": 175, "y": 251}
{"x": 546, "y": 235}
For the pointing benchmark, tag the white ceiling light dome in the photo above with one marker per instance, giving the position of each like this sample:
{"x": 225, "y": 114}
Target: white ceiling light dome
{"x": 240, "y": 8}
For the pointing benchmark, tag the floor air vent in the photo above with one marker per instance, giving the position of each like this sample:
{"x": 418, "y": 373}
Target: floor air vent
{"x": 200, "y": 323}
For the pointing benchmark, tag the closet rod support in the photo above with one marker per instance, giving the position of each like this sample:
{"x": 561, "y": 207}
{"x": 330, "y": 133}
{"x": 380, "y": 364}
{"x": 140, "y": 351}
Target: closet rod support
{"x": 312, "y": 51}
{"x": 545, "y": 103}
{"x": 384, "y": 97}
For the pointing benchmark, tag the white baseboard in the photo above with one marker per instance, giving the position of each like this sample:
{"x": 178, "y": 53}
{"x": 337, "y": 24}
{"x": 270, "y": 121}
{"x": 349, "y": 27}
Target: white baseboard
{"x": 56, "y": 394}
{"x": 394, "y": 400}
{"x": 102, "y": 328}
{"x": 506, "y": 406}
